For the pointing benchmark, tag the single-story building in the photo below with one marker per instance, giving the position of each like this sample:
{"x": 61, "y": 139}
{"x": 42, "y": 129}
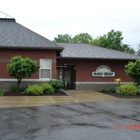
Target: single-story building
{"x": 79, "y": 66}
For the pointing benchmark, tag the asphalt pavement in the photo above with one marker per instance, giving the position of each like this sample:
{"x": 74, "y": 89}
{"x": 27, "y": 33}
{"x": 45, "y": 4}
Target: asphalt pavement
{"x": 105, "y": 120}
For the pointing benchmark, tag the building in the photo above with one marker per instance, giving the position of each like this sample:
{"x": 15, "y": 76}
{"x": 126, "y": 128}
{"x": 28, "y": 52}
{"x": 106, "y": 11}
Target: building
{"x": 80, "y": 66}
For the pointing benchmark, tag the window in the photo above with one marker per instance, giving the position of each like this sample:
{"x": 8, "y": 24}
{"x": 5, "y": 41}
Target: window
{"x": 45, "y": 68}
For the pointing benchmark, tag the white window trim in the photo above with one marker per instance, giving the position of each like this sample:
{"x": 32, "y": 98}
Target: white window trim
{"x": 45, "y": 69}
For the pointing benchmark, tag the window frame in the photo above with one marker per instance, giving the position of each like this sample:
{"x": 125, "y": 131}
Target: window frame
{"x": 50, "y": 60}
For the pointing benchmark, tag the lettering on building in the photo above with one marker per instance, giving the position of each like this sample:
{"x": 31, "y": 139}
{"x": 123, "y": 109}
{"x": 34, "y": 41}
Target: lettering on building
{"x": 103, "y": 71}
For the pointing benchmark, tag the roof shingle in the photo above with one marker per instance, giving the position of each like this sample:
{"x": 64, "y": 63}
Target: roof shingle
{"x": 14, "y": 35}
{"x": 77, "y": 50}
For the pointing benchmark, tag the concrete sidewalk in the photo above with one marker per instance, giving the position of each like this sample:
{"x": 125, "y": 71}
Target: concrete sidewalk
{"x": 74, "y": 97}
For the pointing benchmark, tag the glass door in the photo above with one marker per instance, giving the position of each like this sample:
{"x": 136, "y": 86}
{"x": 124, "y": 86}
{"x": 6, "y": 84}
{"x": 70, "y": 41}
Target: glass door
{"x": 67, "y": 78}
{"x": 65, "y": 74}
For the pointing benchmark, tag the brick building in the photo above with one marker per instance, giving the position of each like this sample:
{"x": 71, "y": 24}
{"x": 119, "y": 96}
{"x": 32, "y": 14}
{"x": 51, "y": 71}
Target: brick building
{"x": 79, "y": 66}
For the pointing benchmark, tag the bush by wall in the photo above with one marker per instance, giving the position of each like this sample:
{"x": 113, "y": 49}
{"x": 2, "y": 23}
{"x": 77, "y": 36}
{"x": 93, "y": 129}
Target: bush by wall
{"x": 34, "y": 90}
{"x": 47, "y": 88}
{"x": 108, "y": 89}
{"x": 127, "y": 89}
{"x": 14, "y": 89}
{"x": 57, "y": 84}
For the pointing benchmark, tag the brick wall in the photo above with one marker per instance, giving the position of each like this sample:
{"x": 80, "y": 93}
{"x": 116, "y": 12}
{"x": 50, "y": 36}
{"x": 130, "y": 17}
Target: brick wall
{"x": 83, "y": 73}
{"x": 84, "y": 69}
{"x": 6, "y": 55}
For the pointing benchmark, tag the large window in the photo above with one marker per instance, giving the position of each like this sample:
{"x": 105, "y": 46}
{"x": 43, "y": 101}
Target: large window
{"x": 45, "y": 68}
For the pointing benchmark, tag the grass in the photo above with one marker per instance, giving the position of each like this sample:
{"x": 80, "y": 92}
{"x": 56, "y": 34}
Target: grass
{"x": 1, "y": 92}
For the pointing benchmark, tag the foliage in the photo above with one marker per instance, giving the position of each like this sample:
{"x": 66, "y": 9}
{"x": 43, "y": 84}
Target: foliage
{"x": 57, "y": 84}
{"x": 34, "y": 90}
{"x": 23, "y": 89}
{"x": 108, "y": 89}
{"x": 113, "y": 40}
{"x": 47, "y": 88}
{"x": 14, "y": 89}
{"x": 1, "y": 92}
{"x": 66, "y": 38}
{"x": 128, "y": 49}
{"x": 138, "y": 52}
{"x": 60, "y": 90}
{"x": 127, "y": 89}
{"x": 21, "y": 67}
{"x": 82, "y": 38}
{"x": 132, "y": 69}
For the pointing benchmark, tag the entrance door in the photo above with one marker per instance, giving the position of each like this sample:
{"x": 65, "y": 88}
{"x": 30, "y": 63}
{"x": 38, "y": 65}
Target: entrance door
{"x": 65, "y": 74}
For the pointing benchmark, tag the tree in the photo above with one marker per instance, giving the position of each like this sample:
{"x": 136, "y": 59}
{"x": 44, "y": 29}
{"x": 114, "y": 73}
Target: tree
{"x": 21, "y": 67}
{"x": 128, "y": 49}
{"x": 138, "y": 52}
{"x": 82, "y": 38}
{"x": 113, "y": 40}
{"x": 66, "y": 38}
{"x": 132, "y": 69}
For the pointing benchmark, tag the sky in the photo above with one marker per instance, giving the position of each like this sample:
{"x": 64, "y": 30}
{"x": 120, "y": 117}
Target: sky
{"x": 95, "y": 17}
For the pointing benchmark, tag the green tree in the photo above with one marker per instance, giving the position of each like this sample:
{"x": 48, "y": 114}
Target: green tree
{"x": 132, "y": 69}
{"x": 21, "y": 67}
{"x": 138, "y": 52}
{"x": 66, "y": 38}
{"x": 113, "y": 40}
{"x": 82, "y": 38}
{"x": 128, "y": 49}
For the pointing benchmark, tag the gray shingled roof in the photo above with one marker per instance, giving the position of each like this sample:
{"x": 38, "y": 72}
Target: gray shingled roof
{"x": 77, "y": 50}
{"x": 14, "y": 35}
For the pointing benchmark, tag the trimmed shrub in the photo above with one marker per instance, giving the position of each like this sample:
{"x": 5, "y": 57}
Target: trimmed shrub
{"x": 127, "y": 89}
{"x": 57, "y": 84}
{"x": 34, "y": 90}
{"x": 47, "y": 88}
{"x": 108, "y": 89}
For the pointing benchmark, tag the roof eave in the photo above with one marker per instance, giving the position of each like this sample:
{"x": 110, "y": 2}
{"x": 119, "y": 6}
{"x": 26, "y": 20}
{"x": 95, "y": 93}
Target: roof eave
{"x": 60, "y": 57}
{"x": 32, "y": 48}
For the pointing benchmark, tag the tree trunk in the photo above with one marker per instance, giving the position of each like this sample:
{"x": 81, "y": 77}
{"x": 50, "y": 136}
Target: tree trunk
{"x": 18, "y": 84}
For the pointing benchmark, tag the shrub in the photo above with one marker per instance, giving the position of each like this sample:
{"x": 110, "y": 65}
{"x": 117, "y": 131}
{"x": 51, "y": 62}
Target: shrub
{"x": 13, "y": 89}
{"x": 127, "y": 89}
{"x": 22, "y": 89}
{"x": 112, "y": 89}
{"x": 47, "y": 88}
{"x": 1, "y": 92}
{"x": 34, "y": 90}
{"x": 108, "y": 89}
{"x": 57, "y": 84}
{"x": 60, "y": 90}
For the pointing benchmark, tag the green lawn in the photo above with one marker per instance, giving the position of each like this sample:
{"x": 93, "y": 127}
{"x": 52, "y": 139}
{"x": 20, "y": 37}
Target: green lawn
{"x": 1, "y": 92}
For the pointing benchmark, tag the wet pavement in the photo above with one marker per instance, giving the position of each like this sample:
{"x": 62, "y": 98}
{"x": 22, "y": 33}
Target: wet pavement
{"x": 74, "y": 97}
{"x": 102, "y": 120}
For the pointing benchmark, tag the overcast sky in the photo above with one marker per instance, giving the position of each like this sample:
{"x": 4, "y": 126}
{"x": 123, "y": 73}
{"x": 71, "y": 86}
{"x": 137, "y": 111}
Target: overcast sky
{"x": 96, "y": 17}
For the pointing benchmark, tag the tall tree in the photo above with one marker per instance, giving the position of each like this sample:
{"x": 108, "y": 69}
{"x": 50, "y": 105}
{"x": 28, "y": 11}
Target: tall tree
{"x": 138, "y": 52}
{"x": 66, "y": 38}
{"x": 82, "y": 38}
{"x": 113, "y": 40}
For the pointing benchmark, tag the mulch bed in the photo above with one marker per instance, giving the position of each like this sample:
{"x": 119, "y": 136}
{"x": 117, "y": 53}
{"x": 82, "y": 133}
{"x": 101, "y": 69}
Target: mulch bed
{"x": 20, "y": 94}
{"x": 122, "y": 96}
